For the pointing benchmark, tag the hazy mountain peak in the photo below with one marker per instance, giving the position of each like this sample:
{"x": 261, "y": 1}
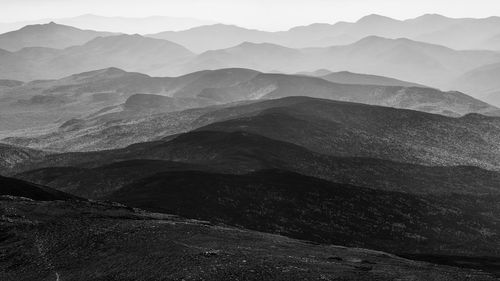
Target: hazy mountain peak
{"x": 126, "y": 39}
{"x": 313, "y": 26}
{"x": 106, "y": 71}
{"x": 45, "y": 26}
{"x": 430, "y": 17}
{"x": 376, "y": 19}
{"x": 218, "y": 27}
{"x": 248, "y": 44}
{"x": 261, "y": 46}
{"x": 51, "y": 35}
{"x": 372, "y": 39}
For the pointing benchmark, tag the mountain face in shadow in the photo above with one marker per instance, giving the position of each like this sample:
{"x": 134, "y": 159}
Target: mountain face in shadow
{"x": 307, "y": 208}
{"x": 95, "y": 175}
{"x": 336, "y": 141}
{"x": 349, "y": 129}
{"x": 18, "y": 188}
{"x": 50, "y": 35}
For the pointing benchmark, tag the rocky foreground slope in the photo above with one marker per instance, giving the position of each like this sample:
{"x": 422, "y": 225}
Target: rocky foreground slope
{"x": 77, "y": 240}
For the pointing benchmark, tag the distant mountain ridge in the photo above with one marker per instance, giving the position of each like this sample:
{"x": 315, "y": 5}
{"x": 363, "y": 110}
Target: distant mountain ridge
{"x": 346, "y": 77}
{"x": 129, "y": 25}
{"x": 430, "y": 28}
{"x": 50, "y": 35}
{"x": 131, "y": 52}
{"x": 403, "y": 59}
{"x": 112, "y": 108}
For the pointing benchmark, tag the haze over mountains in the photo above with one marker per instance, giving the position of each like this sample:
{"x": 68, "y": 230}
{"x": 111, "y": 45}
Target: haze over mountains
{"x": 127, "y": 25}
{"x": 403, "y": 59}
{"x": 380, "y": 134}
{"x": 429, "y": 28}
{"x": 49, "y": 35}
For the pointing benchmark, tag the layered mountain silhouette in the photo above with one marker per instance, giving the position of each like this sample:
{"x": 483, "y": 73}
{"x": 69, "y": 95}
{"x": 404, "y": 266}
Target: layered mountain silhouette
{"x": 430, "y": 28}
{"x": 323, "y": 126}
{"x": 128, "y": 25}
{"x": 403, "y": 59}
{"x": 374, "y": 134}
{"x": 264, "y": 200}
{"x": 315, "y": 169}
{"x": 94, "y": 175}
{"x": 50, "y": 35}
{"x": 82, "y": 105}
{"x": 131, "y": 52}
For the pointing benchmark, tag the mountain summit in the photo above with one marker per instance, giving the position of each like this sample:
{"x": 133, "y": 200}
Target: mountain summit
{"x": 50, "y": 35}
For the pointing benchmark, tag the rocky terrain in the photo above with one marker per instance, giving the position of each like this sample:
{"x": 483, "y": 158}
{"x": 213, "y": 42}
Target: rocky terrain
{"x": 70, "y": 240}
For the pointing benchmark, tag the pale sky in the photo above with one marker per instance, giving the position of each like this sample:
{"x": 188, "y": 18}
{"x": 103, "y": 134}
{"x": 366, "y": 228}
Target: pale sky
{"x": 261, "y": 14}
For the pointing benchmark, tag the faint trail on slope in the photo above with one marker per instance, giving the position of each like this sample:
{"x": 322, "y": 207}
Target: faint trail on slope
{"x": 41, "y": 252}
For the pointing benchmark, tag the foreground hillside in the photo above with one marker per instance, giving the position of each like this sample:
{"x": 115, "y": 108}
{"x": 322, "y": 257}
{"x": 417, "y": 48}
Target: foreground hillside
{"x": 311, "y": 209}
{"x": 70, "y": 241}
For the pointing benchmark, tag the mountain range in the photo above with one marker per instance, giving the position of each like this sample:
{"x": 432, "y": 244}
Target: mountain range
{"x": 403, "y": 59}
{"x": 132, "y": 52}
{"x": 290, "y": 166}
{"x": 186, "y": 154}
{"x": 429, "y": 28}
{"x": 334, "y": 128}
{"x": 89, "y": 110}
{"x": 49, "y": 35}
{"x": 127, "y": 25}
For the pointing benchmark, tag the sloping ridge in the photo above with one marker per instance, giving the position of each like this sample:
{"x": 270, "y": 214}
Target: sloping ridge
{"x": 18, "y": 188}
